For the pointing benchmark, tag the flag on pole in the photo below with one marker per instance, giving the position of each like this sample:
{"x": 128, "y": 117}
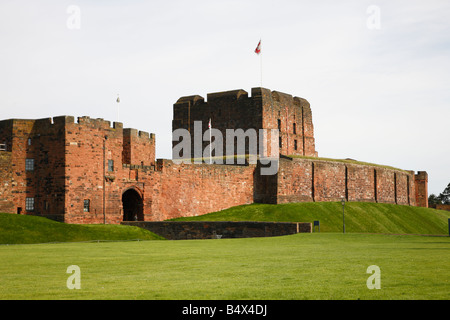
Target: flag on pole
{"x": 258, "y": 48}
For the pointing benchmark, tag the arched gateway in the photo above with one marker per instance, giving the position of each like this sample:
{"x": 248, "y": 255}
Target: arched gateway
{"x": 132, "y": 206}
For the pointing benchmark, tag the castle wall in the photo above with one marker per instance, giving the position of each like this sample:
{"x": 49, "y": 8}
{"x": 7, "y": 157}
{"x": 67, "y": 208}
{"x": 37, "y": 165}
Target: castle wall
{"x": 43, "y": 143}
{"x": 329, "y": 181}
{"x": 301, "y": 180}
{"x": 191, "y": 189}
{"x": 138, "y": 147}
{"x": 89, "y": 145}
{"x": 292, "y": 116}
{"x": 295, "y": 181}
{"x": 6, "y": 205}
{"x": 421, "y": 189}
{"x": 360, "y": 183}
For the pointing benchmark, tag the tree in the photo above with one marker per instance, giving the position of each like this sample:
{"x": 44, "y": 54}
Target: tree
{"x": 445, "y": 195}
{"x": 433, "y": 200}
{"x": 442, "y": 198}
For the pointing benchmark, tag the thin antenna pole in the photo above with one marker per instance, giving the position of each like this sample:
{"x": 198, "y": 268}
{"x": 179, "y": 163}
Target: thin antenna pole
{"x": 118, "y": 112}
{"x": 258, "y": 51}
{"x": 260, "y": 62}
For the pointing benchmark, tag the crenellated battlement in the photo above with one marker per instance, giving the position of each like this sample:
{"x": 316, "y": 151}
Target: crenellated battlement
{"x": 129, "y": 132}
{"x": 99, "y": 123}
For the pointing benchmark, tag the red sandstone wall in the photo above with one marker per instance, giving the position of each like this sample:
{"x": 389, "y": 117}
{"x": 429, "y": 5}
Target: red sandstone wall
{"x": 6, "y": 205}
{"x": 360, "y": 183}
{"x": 329, "y": 181}
{"x": 318, "y": 180}
{"x": 188, "y": 190}
{"x": 289, "y": 110}
{"x": 138, "y": 147}
{"x": 295, "y": 181}
{"x": 421, "y": 189}
{"x": 385, "y": 185}
{"x": 443, "y": 207}
{"x": 87, "y": 165}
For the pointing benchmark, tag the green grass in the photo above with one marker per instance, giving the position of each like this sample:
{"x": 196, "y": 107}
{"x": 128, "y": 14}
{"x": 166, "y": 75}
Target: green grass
{"x": 15, "y": 229}
{"x": 328, "y": 265}
{"x": 301, "y": 266}
{"x": 359, "y": 216}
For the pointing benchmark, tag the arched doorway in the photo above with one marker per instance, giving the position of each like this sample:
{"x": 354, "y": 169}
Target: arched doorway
{"x": 132, "y": 206}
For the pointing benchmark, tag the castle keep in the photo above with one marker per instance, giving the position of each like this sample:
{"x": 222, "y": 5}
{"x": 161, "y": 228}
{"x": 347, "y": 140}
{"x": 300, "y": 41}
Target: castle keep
{"x": 263, "y": 110}
{"x": 89, "y": 171}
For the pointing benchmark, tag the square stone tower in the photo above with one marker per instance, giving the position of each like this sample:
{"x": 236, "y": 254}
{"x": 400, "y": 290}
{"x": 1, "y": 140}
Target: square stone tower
{"x": 265, "y": 109}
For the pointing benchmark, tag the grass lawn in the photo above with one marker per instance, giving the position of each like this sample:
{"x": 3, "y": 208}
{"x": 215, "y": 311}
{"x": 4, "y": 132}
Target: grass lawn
{"x": 301, "y": 266}
{"x": 15, "y": 228}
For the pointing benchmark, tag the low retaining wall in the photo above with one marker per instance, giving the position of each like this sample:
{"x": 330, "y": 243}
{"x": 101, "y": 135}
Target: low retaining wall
{"x": 182, "y": 230}
{"x": 443, "y": 207}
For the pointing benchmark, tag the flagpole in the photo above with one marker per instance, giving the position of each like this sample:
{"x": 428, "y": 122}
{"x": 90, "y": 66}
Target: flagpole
{"x": 210, "y": 147}
{"x": 260, "y": 63}
{"x": 118, "y": 113}
{"x": 258, "y": 51}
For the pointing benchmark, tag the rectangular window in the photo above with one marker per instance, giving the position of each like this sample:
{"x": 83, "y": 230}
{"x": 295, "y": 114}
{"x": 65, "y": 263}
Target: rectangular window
{"x": 110, "y": 165}
{"x": 87, "y": 205}
{"x": 295, "y": 128}
{"x": 29, "y": 141}
{"x": 295, "y": 144}
{"x": 29, "y": 204}
{"x": 29, "y": 164}
{"x": 279, "y": 124}
{"x": 280, "y": 144}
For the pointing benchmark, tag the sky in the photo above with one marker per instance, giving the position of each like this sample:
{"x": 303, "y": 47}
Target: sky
{"x": 376, "y": 73}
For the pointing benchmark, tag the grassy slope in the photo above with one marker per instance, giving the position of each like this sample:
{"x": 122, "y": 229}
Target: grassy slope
{"x": 31, "y": 229}
{"x": 359, "y": 217}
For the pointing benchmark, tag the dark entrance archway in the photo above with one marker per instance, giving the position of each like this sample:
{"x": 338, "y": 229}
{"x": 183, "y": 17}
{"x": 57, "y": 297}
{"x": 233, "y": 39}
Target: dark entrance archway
{"x": 132, "y": 206}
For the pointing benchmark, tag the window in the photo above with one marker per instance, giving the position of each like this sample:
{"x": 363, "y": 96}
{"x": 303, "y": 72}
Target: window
{"x": 279, "y": 124}
{"x": 110, "y": 165}
{"x": 46, "y": 205}
{"x": 87, "y": 205}
{"x": 294, "y": 128}
{"x": 295, "y": 144}
{"x": 280, "y": 144}
{"x": 29, "y": 164}
{"x": 29, "y": 204}
{"x": 29, "y": 141}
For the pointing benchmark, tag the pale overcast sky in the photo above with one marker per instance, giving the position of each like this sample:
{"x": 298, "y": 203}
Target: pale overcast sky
{"x": 376, "y": 73}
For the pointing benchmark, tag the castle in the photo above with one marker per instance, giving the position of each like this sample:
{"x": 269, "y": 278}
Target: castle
{"x": 87, "y": 171}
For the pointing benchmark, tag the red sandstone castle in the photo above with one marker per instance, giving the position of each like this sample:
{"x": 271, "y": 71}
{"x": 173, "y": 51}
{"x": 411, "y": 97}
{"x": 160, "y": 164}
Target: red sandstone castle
{"x": 91, "y": 172}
